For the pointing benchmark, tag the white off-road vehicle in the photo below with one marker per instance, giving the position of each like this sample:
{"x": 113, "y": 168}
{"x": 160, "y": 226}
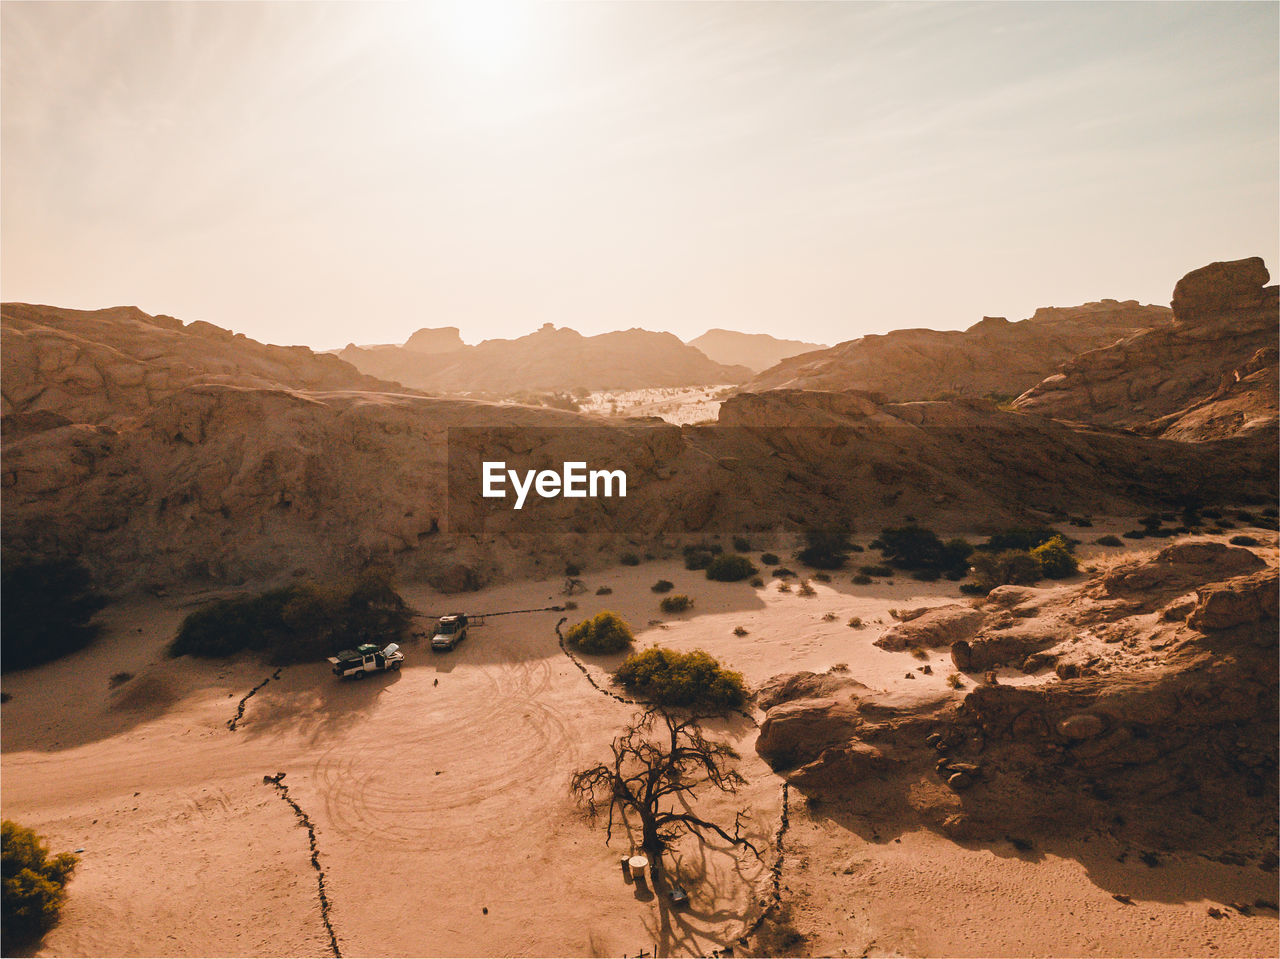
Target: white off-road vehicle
{"x": 450, "y": 631}
{"x": 368, "y": 658}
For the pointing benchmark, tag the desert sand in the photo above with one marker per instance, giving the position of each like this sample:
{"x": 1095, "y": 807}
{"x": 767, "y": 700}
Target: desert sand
{"x": 443, "y": 822}
{"x": 683, "y": 405}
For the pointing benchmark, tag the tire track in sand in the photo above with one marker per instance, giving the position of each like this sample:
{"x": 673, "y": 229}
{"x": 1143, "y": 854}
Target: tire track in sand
{"x": 436, "y": 776}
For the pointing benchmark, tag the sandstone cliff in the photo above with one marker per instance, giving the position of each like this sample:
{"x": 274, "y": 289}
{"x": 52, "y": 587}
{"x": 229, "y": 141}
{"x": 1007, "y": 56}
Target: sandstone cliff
{"x": 1209, "y": 374}
{"x": 106, "y": 366}
{"x": 228, "y": 484}
{"x": 993, "y": 357}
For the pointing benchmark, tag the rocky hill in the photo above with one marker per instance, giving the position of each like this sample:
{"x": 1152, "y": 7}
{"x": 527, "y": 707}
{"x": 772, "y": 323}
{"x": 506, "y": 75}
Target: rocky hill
{"x": 992, "y": 358}
{"x": 755, "y": 351}
{"x": 106, "y": 366}
{"x": 1146, "y": 713}
{"x": 227, "y": 484}
{"x": 549, "y": 359}
{"x": 156, "y": 451}
{"x": 1210, "y": 373}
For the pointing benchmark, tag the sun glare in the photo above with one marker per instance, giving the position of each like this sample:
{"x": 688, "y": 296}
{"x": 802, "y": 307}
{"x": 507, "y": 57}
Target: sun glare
{"x": 486, "y": 35}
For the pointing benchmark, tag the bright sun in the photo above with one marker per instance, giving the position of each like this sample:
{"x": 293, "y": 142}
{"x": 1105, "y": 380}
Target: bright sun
{"x": 487, "y": 35}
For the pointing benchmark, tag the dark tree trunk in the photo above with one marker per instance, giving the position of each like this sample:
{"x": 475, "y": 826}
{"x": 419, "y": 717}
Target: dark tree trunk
{"x": 652, "y": 845}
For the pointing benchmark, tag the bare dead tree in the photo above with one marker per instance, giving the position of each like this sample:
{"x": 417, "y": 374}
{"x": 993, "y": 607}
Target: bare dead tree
{"x": 659, "y": 762}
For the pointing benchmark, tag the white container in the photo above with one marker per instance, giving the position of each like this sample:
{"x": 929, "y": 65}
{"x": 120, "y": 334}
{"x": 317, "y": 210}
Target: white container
{"x": 638, "y": 865}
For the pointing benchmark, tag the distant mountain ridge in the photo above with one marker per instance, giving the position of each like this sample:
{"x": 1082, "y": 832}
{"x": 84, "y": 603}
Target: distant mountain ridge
{"x": 756, "y": 351}
{"x": 549, "y": 359}
{"x": 992, "y": 357}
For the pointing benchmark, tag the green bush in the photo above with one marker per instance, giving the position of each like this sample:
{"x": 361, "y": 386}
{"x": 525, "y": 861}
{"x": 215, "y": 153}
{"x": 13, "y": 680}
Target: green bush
{"x": 675, "y": 604}
{"x": 629, "y": 559}
{"x": 1109, "y": 540}
{"x": 298, "y": 623}
{"x": 825, "y": 548}
{"x": 914, "y": 548}
{"x": 663, "y": 586}
{"x": 1011, "y": 566}
{"x": 1020, "y": 537}
{"x": 770, "y": 559}
{"x": 45, "y": 612}
{"x": 862, "y": 579}
{"x": 33, "y": 885}
{"x": 730, "y": 568}
{"x": 572, "y": 569}
{"x": 605, "y": 632}
{"x": 972, "y": 589}
{"x": 876, "y": 570}
{"x": 1243, "y": 541}
{"x": 1134, "y": 534}
{"x": 692, "y": 680}
{"x": 741, "y": 544}
{"x": 1055, "y": 558}
{"x": 782, "y": 571}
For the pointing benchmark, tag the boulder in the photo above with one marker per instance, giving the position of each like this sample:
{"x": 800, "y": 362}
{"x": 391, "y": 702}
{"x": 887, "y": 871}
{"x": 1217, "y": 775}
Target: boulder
{"x": 1220, "y": 288}
{"x": 1237, "y": 602}
{"x": 797, "y": 732}
{"x": 804, "y": 685}
{"x": 937, "y": 627}
{"x": 842, "y": 765}
{"x": 1082, "y": 726}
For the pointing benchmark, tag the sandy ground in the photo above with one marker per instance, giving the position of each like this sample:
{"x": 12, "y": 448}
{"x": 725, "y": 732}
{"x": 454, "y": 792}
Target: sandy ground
{"x": 441, "y": 792}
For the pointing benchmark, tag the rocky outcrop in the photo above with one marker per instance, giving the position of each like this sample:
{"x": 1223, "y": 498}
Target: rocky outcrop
{"x": 755, "y": 351}
{"x": 1167, "y": 740}
{"x": 888, "y": 459}
{"x": 992, "y": 358}
{"x": 1210, "y": 374}
{"x": 1221, "y": 288}
{"x": 108, "y": 366}
{"x": 549, "y": 359}
{"x": 1175, "y": 569}
{"x": 937, "y": 627}
{"x": 1242, "y": 601}
{"x": 216, "y": 472}
{"x": 797, "y": 732}
{"x": 805, "y": 685}
{"x": 443, "y": 339}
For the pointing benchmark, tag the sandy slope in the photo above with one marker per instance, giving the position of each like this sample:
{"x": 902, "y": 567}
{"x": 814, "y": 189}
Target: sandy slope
{"x": 441, "y": 792}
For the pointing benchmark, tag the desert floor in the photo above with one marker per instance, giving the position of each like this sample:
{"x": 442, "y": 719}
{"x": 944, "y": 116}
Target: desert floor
{"x": 443, "y": 822}
{"x": 681, "y": 405}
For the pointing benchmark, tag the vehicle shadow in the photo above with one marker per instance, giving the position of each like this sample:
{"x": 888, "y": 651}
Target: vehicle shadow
{"x": 311, "y": 702}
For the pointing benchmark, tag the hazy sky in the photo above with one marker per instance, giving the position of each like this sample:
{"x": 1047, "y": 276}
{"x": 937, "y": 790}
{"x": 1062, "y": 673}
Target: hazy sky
{"x": 330, "y": 172}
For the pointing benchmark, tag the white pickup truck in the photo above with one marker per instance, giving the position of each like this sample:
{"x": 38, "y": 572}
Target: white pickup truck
{"x": 368, "y": 658}
{"x": 450, "y": 631}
